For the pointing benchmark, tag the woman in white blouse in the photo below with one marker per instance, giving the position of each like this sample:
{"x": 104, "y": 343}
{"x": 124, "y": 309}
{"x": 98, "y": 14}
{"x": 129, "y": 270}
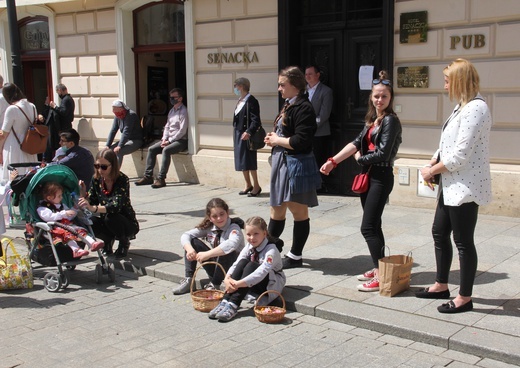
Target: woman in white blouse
{"x": 17, "y": 119}
{"x": 462, "y": 161}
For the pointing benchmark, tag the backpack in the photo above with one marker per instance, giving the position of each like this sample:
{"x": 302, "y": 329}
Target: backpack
{"x": 147, "y": 124}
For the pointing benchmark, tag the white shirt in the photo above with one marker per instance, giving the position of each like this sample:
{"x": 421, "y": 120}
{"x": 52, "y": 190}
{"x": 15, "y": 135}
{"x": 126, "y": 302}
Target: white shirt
{"x": 311, "y": 90}
{"x": 464, "y": 151}
{"x": 241, "y": 103}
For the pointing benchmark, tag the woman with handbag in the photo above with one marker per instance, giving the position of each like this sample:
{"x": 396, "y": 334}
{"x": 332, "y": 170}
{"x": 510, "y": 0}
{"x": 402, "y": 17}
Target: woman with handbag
{"x": 374, "y": 149}
{"x": 462, "y": 161}
{"x": 246, "y": 122}
{"x": 291, "y": 143}
{"x": 18, "y": 117}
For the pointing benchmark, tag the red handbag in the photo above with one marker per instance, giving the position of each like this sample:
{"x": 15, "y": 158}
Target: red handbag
{"x": 360, "y": 183}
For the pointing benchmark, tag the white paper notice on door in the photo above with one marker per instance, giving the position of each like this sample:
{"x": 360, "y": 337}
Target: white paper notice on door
{"x": 366, "y": 75}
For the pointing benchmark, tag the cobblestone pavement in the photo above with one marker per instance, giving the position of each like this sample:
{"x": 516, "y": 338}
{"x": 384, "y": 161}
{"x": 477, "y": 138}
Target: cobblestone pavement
{"x": 137, "y": 322}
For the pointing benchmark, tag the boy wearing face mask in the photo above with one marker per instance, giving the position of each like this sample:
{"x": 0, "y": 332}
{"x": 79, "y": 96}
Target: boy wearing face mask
{"x": 77, "y": 158}
{"x": 174, "y": 140}
{"x": 127, "y": 122}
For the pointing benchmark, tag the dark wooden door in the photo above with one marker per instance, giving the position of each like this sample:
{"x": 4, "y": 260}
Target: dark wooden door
{"x": 339, "y": 36}
{"x": 37, "y": 82}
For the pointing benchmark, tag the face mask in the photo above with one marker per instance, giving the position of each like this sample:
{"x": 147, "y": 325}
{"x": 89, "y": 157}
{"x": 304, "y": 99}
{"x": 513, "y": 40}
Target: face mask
{"x": 237, "y": 92}
{"x": 120, "y": 114}
{"x": 63, "y": 151}
{"x": 174, "y": 101}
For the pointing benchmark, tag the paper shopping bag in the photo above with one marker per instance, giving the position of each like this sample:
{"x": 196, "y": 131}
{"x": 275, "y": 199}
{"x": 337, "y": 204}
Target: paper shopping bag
{"x": 395, "y": 273}
{"x": 15, "y": 269}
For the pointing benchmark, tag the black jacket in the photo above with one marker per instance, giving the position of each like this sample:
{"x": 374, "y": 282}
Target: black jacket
{"x": 387, "y": 139}
{"x": 240, "y": 121}
{"x": 300, "y": 125}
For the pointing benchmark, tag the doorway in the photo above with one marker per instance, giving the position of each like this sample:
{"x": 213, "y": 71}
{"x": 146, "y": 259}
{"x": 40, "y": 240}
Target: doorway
{"x": 339, "y": 37}
{"x": 37, "y": 77}
{"x": 160, "y": 58}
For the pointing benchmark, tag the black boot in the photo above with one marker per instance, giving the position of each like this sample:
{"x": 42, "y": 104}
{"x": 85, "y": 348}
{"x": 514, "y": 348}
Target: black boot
{"x": 108, "y": 248}
{"x": 122, "y": 249}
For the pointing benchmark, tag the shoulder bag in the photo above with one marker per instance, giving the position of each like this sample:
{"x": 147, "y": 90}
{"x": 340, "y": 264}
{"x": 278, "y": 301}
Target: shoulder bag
{"x": 35, "y": 140}
{"x": 256, "y": 140}
{"x": 360, "y": 183}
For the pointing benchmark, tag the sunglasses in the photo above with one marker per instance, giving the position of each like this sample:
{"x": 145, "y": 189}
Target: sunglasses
{"x": 386, "y": 82}
{"x": 102, "y": 167}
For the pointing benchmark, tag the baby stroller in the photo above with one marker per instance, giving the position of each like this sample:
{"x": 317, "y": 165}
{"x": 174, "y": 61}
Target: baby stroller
{"x": 17, "y": 190}
{"x": 38, "y": 233}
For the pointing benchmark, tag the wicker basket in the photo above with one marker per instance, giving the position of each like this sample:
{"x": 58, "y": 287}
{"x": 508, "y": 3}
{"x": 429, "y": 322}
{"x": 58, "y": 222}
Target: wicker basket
{"x": 205, "y": 300}
{"x": 270, "y": 314}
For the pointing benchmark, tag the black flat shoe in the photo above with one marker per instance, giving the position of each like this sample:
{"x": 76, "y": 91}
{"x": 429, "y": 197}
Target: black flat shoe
{"x": 244, "y": 192}
{"x": 450, "y": 307}
{"x": 425, "y": 294}
{"x": 255, "y": 194}
{"x": 288, "y": 262}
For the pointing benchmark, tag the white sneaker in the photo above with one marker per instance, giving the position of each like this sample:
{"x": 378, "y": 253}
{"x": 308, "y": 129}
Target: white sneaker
{"x": 184, "y": 287}
{"x": 367, "y": 276}
{"x": 372, "y": 285}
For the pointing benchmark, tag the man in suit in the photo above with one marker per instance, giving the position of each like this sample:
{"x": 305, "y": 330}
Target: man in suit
{"x": 58, "y": 119}
{"x": 321, "y": 99}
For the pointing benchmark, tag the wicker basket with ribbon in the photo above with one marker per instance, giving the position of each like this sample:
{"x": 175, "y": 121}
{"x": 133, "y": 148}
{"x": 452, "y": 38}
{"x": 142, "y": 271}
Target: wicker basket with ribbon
{"x": 269, "y": 313}
{"x": 205, "y": 300}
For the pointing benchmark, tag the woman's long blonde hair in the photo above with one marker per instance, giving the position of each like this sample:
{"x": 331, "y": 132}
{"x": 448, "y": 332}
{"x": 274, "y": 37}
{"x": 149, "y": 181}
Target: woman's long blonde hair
{"x": 464, "y": 81}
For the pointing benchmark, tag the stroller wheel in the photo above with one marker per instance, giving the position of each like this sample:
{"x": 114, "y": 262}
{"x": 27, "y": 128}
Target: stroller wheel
{"x": 52, "y": 282}
{"x": 72, "y": 268}
{"x": 111, "y": 272}
{"x": 99, "y": 273}
{"x": 64, "y": 280}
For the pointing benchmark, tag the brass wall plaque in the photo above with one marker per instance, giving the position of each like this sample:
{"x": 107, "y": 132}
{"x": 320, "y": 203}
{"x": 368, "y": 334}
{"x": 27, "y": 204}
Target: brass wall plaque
{"x": 413, "y": 76}
{"x": 413, "y": 27}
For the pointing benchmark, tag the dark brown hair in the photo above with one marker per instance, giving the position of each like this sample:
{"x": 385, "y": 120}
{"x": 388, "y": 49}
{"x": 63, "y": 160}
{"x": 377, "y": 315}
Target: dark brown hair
{"x": 295, "y": 77}
{"x": 111, "y": 157}
{"x": 214, "y": 203}
{"x": 12, "y": 93}
{"x": 51, "y": 189}
{"x": 371, "y": 115}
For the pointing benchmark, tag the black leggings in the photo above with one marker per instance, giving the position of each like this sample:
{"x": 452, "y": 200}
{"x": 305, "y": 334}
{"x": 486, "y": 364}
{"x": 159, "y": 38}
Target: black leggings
{"x": 373, "y": 202}
{"x": 214, "y": 272}
{"x": 244, "y": 268}
{"x": 113, "y": 226}
{"x": 461, "y": 220}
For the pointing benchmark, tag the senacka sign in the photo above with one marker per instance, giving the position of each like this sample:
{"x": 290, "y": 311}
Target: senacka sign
{"x": 232, "y": 57}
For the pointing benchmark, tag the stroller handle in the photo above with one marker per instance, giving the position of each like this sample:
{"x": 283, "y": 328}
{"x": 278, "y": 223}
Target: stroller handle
{"x": 11, "y": 167}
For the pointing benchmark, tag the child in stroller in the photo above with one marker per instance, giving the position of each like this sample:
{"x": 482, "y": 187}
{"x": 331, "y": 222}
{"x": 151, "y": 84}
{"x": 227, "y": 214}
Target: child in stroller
{"x": 39, "y": 234}
{"x": 51, "y": 208}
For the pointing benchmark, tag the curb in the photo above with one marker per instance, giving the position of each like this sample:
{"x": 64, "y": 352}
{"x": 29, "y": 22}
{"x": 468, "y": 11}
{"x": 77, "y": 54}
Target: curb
{"x": 448, "y": 335}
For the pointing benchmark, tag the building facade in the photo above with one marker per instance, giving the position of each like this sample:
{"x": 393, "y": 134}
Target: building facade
{"x": 137, "y": 50}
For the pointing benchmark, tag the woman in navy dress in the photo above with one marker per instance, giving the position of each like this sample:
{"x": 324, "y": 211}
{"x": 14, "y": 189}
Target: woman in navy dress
{"x": 246, "y": 120}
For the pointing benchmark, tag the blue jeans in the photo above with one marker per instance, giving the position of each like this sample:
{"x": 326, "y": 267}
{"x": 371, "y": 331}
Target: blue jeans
{"x": 461, "y": 220}
{"x": 155, "y": 149}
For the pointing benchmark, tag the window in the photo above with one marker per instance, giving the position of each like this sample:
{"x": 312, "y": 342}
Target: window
{"x": 34, "y": 34}
{"x": 159, "y": 24}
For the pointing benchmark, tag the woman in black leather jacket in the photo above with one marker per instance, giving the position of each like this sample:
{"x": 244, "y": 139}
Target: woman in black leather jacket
{"x": 375, "y": 149}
